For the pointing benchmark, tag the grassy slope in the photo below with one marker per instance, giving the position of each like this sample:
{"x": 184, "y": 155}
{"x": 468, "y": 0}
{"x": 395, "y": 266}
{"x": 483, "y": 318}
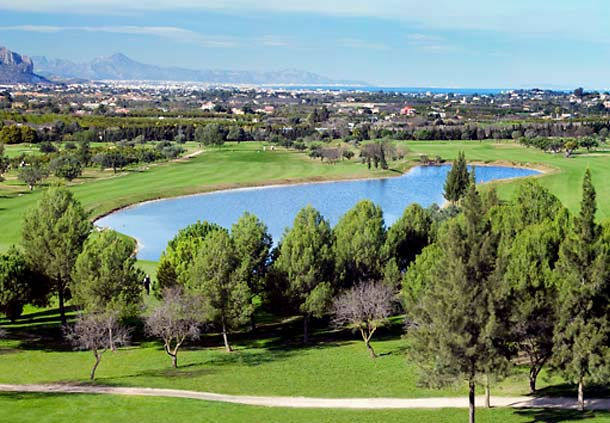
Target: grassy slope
{"x": 34, "y": 408}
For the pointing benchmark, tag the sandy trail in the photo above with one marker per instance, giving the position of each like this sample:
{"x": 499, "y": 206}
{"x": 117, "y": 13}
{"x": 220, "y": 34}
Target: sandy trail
{"x": 303, "y": 402}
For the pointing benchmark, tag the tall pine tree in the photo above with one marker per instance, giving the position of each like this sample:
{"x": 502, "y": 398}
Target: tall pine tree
{"x": 454, "y": 330}
{"x": 583, "y": 274}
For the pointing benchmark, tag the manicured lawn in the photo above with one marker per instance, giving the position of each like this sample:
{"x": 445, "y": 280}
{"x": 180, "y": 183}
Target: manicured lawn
{"x": 52, "y": 408}
{"x": 272, "y": 361}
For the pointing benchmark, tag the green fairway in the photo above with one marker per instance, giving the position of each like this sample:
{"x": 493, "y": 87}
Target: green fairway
{"x": 51, "y": 408}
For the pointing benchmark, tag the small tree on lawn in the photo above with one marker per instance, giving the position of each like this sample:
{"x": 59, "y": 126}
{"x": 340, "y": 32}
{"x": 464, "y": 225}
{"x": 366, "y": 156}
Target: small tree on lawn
{"x": 176, "y": 318}
{"x": 32, "y": 175}
{"x": 582, "y": 333}
{"x": 365, "y": 307}
{"x": 98, "y": 333}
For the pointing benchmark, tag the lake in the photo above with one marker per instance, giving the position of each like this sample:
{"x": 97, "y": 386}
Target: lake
{"x": 154, "y": 223}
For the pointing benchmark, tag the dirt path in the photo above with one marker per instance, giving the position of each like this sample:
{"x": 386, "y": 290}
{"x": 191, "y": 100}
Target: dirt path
{"x": 302, "y": 402}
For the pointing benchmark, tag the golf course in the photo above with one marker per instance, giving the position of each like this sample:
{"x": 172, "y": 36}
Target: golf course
{"x": 269, "y": 361}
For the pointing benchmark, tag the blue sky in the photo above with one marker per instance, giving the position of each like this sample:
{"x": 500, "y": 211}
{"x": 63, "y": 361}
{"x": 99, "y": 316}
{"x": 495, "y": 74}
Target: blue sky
{"x": 477, "y": 43}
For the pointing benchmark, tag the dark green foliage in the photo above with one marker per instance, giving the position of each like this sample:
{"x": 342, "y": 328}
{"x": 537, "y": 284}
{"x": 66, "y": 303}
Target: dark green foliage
{"x": 179, "y": 255}
{"x": 67, "y": 167}
{"x": 53, "y": 235}
{"x": 306, "y": 261}
{"x": 105, "y": 276}
{"x": 582, "y": 335}
{"x": 408, "y": 236}
{"x": 421, "y": 274}
{"x": 112, "y": 159}
{"x": 457, "y": 180}
{"x": 454, "y": 329}
{"x": 359, "y": 239}
{"x": 19, "y": 284}
{"x": 47, "y": 147}
{"x": 214, "y": 278}
{"x": 252, "y": 246}
{"x": 531, "y": 294}
{"x": 211, "y": 134}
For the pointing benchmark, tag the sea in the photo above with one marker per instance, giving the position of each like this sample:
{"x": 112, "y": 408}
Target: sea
{"x": 402, "y": 90}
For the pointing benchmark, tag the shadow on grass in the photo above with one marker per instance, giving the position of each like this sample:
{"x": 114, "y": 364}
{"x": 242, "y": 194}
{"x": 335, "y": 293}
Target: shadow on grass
{"x": 571, "y": 390}
{"x": 554, "y": 416}
{"x": 26, "y": 396}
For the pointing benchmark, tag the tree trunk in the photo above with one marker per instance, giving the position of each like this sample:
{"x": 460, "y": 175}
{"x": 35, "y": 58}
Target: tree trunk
{"x": 62, "y": 310}
{"x": 487, "y": 392}
{"x": 98, "y": 358}
{"x": 581, "y": 395}
{"x": 371, "y": 350}
{"x": 224, "y": 336}
{"x": 252, "y": 323}
{"x": 533, "y": 376}
{"x": 175, "y": 361}
{"x": 471, "y": 400}
{"x": 306, "y": 329}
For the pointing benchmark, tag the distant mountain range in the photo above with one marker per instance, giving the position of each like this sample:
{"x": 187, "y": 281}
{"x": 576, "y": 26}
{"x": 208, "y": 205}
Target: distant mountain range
{"x": 120, "y": 67}
{"x": 17, "y": 69}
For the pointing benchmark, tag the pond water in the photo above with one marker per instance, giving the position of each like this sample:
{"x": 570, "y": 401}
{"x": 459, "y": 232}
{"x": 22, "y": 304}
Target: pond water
{"x": 154, "y": 223}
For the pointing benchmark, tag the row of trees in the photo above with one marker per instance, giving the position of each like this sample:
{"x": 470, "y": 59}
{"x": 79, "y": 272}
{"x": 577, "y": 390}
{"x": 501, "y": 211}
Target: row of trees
{"x": 556, "y": 145}
{"x": 69, "y": 163}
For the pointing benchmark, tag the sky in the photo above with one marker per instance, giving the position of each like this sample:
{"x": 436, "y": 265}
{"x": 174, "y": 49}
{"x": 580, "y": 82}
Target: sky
{"x": 433, "y": 43}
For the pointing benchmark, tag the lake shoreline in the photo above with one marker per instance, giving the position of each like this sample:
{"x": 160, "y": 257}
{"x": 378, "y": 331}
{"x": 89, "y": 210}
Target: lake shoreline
{"x": 141, "y": 243}
{"x": 544, "y": 170}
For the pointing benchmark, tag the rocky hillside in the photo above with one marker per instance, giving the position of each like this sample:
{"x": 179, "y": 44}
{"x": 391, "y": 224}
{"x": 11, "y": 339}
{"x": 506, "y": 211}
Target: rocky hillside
{"x": 15, "y": 69}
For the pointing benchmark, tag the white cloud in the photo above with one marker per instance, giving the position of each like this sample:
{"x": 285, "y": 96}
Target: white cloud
{"x": 174, "y": 33}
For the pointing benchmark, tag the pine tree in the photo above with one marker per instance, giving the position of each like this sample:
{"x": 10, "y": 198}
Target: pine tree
{"x": 53, "y": 235}
{"x": 213, "y": 277}
{"x": 359, "y": 239}
{"x": 583, "y": 274}
{"x": 457, "y": 180}
{"x": 454, "y": 328}
{"x": 306, "y": 260}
